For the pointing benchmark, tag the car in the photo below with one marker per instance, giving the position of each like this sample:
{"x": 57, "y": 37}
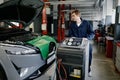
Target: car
{"x": 23, "y": 54}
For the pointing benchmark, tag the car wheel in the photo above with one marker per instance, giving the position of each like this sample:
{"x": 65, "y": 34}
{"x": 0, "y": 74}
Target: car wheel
{"x": 2, "y": 74}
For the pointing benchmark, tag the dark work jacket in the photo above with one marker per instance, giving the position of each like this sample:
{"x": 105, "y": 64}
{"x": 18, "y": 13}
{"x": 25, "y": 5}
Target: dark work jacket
{"x": 85, "y": 30}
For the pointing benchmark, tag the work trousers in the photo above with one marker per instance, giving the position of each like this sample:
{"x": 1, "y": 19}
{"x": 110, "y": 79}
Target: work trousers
{"x": 90, "y": 57}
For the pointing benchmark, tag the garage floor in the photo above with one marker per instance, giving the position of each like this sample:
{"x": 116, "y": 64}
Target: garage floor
{"x": 102, "y": 67}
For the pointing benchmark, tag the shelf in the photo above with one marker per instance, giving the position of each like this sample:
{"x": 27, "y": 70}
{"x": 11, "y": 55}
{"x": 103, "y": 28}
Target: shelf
{"x": 72, "y": 64}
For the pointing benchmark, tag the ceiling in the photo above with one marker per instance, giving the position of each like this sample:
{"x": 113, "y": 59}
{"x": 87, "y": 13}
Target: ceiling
{"x": 90, "y": 9}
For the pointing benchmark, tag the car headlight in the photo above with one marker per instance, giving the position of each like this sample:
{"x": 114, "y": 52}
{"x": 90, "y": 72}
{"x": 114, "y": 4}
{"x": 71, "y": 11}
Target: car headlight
{"x": 30, "y": 51}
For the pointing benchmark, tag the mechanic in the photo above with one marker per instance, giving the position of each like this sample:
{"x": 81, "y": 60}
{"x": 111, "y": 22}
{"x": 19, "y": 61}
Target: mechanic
{"x": 82, "y": 29}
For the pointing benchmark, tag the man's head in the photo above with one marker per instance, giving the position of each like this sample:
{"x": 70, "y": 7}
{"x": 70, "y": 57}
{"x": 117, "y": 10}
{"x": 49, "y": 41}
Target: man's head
{"x": 75, "y": 15}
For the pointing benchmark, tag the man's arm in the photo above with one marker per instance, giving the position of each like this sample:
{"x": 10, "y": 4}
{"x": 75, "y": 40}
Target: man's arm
{"x": 91, "y": 34}
{"x": 70, "y": 32}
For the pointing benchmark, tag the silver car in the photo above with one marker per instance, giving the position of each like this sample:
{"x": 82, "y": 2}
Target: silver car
{"x": 23, "y": 55}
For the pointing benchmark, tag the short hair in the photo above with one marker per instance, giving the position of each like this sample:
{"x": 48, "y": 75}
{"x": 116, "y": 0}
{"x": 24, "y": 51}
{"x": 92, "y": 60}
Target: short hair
{"x": 77, "y": 12}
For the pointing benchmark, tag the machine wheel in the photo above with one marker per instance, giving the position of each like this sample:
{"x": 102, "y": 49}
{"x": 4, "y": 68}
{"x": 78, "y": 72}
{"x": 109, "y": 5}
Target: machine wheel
{"x": 2, "y": 74}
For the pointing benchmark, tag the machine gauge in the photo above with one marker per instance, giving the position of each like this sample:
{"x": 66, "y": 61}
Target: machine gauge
{"x": 69, "y": 43}
{"x": 71, "y": 39}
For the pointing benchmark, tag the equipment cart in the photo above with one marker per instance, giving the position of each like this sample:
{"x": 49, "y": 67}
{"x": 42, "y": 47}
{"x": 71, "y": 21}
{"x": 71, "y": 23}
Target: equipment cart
{"x": 74, "y": 56}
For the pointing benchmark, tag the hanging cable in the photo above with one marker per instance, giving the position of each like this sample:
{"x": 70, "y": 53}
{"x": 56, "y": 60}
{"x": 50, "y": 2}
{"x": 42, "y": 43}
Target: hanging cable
{"x": 59, "y": 67}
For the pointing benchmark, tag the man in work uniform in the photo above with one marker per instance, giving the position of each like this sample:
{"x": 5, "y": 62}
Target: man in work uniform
{"x": 81, "y": 29}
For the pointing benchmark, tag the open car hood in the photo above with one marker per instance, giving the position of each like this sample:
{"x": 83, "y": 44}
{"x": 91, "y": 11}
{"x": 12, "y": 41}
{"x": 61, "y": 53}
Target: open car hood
{"x": 21, "y": 11}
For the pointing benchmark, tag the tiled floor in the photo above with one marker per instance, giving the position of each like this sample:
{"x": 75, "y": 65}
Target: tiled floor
{"x": 102, "y": 67}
